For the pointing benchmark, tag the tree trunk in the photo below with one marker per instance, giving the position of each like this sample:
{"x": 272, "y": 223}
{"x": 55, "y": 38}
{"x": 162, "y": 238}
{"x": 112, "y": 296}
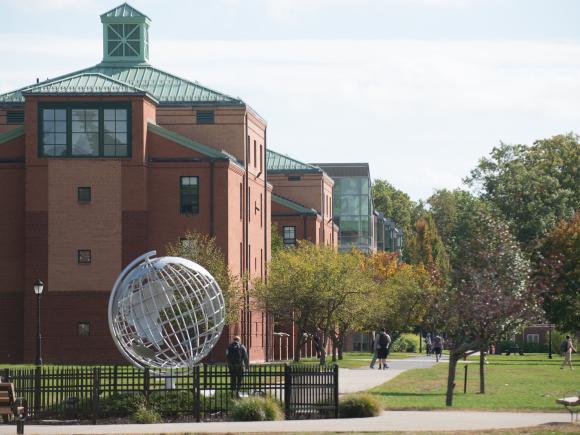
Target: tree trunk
{"x": 482, "y": 349}
{"x": 340, "y": 348}
{"x": 453, "y": 358}
{"x": 298, "y": 345}
{"x": 323, "y": 350}
{"x": 334, "y": 349}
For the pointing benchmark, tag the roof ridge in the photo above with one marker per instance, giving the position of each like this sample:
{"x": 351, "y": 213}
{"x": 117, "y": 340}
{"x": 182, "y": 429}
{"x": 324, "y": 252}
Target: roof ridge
{"x": 184, "y": 140}
{"x": 11, "y": 134}
{"x": 125, "y": 4}
{"x": 80, "y": 74}
{"x": 269, "y": 150}
{"x": 195, "y": 83}
{"x": 275, "y": 195}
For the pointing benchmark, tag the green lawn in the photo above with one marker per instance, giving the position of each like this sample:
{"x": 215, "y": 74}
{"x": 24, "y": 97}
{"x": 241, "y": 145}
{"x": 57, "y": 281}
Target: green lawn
{"x": 529, "y": 382}
{"x": 359, "y": 359}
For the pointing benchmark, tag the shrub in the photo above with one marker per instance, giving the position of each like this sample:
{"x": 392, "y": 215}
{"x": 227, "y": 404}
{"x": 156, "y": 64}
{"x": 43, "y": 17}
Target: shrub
{"x": 406, "y": 343}
{"x": 359, "y": 405}
{"x": 120, "y": 405}
{"x": 172, "y": 403}
{"x": 144, "y": 415}
{"x": 256, "y": 409}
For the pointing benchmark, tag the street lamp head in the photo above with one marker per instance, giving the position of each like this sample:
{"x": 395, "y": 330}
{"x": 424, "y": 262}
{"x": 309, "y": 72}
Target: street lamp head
{"x": 38, "y": 287}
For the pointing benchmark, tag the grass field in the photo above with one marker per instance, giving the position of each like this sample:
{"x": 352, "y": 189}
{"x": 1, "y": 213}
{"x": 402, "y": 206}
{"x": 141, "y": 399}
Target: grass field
{"x": 527, "y": 383}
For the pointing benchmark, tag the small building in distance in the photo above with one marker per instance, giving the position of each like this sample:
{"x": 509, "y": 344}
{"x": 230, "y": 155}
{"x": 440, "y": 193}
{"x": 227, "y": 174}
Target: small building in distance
{"x": 101, "y": 165}
{"x": 302, "y": 201}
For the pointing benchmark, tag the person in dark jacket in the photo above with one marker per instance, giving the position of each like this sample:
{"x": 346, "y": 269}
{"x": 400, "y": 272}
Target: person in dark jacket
{"x": 238, "y": 362}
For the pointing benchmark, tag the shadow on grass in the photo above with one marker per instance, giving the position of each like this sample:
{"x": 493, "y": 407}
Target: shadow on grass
{"x": 403, "y": 394}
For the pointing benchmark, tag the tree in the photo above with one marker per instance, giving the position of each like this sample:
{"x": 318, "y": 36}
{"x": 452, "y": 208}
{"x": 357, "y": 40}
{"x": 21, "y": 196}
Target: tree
{"x": 277, "y": 242}
{"x": 426, "y": 248}
{"x": 446, "y": 206}
{"x": 558, "y": 274}
{"x": 533, "y": 186}
{"x": 203, "y": 250}
{"x": 309, "y": 285}
{"x": 394, "y": 203}
{"x": 402, "y": 296}
{"x": 489, "y": 293}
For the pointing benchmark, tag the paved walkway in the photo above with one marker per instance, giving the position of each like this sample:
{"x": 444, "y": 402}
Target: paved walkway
{"x": 388, "y": 421}
{"x": 363, "y": 378}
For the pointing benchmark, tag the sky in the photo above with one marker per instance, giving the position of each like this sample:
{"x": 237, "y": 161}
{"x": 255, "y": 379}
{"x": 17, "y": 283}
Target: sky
{"x": 419, "y": 89}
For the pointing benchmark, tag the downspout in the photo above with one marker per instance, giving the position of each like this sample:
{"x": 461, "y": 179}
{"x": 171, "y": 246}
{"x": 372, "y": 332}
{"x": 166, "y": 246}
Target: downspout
{"x": 305, "y": 227}
{"x": 248, "y": 315}
{"x": 266, "y": 229}
{"x": 211, "y": 199}
{"x": 245, "y": 333}
{"x": 323, "y": 209}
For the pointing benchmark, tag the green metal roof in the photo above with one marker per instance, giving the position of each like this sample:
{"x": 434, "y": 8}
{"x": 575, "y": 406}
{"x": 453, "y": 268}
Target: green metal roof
{"x": 293, "y": 205}
{"x": 11, "y": 134}
{"x": 186, "y": 142}
{"x": 84, "y": 84}
{"x": 164, "y": 87}
{"x": 276, "y": 162}
{"x": 124, "y": 11}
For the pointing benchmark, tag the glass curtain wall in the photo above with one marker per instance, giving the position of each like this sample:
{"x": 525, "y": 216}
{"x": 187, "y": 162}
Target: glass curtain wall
{"x": 352, "y": 210}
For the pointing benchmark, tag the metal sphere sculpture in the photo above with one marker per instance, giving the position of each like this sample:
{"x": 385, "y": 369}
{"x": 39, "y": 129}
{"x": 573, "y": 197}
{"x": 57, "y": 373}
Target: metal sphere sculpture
{"x": 165, "y": 312}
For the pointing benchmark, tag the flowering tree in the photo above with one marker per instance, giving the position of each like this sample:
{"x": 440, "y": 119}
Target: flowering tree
{"x": 489, "y": 293}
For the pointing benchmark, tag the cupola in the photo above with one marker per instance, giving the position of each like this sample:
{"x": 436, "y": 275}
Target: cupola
{"x": 125, "y": 35}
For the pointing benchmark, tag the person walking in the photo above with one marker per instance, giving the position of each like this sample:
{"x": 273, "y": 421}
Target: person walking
{"x": 428, "y": 344}
{"x": 375, "y": 349}
{"x": 383, "y": 350}
{"x": 437, "y": 347}
{"x": 568, "y": 353}
{"x": 238, "y": 361}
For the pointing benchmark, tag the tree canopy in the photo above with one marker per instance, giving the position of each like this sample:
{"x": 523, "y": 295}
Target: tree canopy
{"x": 533, "y": 186}
{"x": 558, "y": 274}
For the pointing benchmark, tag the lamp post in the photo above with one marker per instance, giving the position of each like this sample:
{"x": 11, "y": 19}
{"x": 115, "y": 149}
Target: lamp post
{"x": 38, "y": 288}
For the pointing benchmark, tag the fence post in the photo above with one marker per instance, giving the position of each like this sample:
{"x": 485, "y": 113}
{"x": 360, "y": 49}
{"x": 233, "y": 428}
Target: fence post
{"x": 197, "y": 394}
{"x": 115, "y": 374}
{"x": 287, "y": 389}
{"x": 37, "y": 387}
{"x": 335, "y": 369}
{"x": 146, "y": 385}
{"x": 465, "y": 379}
{"x": 6, "y": 375}
{"x": 96, "y": 393}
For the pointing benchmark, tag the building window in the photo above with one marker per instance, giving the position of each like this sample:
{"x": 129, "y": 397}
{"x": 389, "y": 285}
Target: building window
{"x": 189, "y": 195}
{"x": 83, "y": 329}
{"x": 289, "y": 236}
{"x": 261, "y": 159}
{"x": 294, "y": 178}
{"x": 205, "y": 117}
{"x": 84, "y": 194}
{"x": 532, "y": 338}
{"x": 116, "y": 134}
{"x": 92, "y": 131}
{"x": 261, "y": 214}
{"x": 241, "y": 201}
{"x": 84, "y": 256}
{"x": 15, "y": 117}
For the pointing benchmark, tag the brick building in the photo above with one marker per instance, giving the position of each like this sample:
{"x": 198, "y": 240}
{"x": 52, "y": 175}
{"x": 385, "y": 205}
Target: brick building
{"x": 104, "y": 164}
{"x": 301, "y": 201}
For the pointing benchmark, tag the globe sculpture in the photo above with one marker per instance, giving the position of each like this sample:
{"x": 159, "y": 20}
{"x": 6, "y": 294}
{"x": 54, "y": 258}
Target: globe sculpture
{"x": 166, "y": 312}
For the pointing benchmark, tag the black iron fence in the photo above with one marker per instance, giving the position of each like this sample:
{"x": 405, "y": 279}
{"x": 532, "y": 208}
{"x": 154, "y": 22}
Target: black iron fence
{"x": 205, "y": 392}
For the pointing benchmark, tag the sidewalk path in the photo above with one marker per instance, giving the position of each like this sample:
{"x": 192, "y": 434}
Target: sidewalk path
{"x": 363, "y": 378}
{"x": 388, "y": 421}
